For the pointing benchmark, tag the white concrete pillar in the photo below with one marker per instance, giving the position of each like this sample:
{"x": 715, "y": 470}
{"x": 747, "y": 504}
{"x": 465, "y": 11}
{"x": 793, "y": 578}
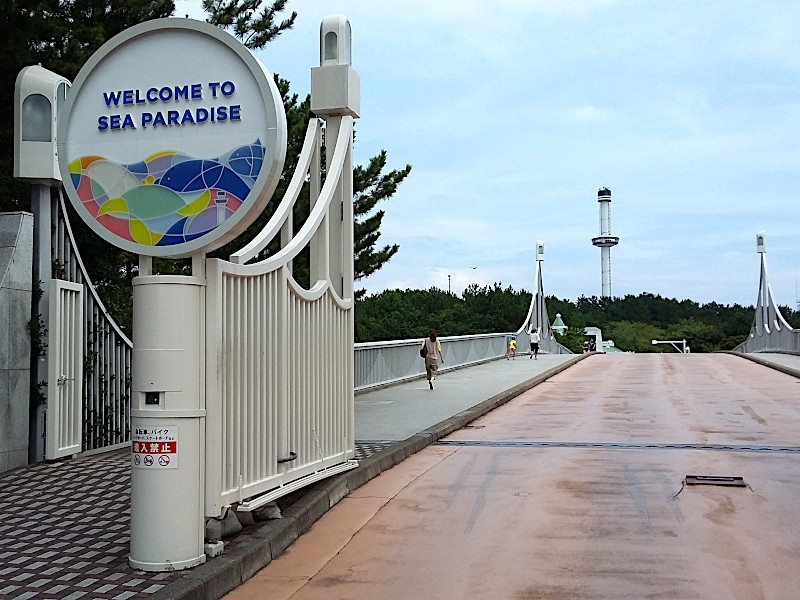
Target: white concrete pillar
{"x": 167, "y": 423}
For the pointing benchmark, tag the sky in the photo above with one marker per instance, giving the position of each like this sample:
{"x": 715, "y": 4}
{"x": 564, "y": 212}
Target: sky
{"x": 513, "y": 113}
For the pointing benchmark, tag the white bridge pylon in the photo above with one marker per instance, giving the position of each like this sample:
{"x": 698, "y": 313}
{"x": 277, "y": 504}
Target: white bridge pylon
{"x": 770, "y": 331}
{"x": 537, "y": 316}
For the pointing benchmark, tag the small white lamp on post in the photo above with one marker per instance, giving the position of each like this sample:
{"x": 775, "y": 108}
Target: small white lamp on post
{"x": 336, "y": 93}
{"x": 39, "y": 95}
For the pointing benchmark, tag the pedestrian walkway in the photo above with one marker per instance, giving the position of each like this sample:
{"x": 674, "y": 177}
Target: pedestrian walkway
{"x": 787, "y": 363}
{"x": 64, "y": 525}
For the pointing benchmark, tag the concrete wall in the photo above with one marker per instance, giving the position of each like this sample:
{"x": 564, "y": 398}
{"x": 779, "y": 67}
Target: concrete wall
{"x": 16, "y": 263}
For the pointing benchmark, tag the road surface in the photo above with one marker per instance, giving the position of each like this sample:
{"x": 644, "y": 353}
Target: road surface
{"x": 576, "y": 489}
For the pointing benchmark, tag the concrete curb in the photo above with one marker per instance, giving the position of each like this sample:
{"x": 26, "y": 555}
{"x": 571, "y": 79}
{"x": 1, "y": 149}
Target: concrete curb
{"x": 269, "y": 540}
{"x": 764, "y": 362}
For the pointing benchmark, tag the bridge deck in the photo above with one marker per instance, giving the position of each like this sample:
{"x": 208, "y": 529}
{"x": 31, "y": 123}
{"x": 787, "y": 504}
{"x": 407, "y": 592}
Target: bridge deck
{"x": 575, "y": 489}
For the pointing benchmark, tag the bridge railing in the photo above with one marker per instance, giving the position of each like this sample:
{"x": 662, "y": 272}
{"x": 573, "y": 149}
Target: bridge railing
{"x": 379, "y": 364}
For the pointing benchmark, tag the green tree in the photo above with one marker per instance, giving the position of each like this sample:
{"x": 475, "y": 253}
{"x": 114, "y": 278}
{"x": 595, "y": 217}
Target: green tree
{"x": 701, "y": 337}
{"x": 371, "y": 186}
{"x": 396, "y": 314}
{"x": 634, "y": 336}
{"x": 254, "y": 25}
{"x": 572, "y": 338}
{"x": 60, "y": 35}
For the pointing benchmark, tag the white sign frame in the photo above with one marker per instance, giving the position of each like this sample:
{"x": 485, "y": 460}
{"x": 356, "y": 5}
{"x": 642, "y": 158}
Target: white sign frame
{"x": 136, "y": 39}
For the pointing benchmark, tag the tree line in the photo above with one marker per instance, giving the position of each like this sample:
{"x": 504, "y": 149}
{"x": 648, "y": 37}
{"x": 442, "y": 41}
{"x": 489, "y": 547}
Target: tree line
{"x": 631, "y": 321}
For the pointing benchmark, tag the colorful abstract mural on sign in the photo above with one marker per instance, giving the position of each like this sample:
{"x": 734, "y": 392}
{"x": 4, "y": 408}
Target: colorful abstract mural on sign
{"x": 168, "y": 198}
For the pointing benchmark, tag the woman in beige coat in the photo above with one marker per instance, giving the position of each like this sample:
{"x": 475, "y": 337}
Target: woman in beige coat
{"x": 432, "y": 347}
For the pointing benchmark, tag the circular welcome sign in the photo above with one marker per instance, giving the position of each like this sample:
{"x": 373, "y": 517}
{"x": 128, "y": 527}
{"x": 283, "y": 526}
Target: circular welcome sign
{"x": 173, "y": 138}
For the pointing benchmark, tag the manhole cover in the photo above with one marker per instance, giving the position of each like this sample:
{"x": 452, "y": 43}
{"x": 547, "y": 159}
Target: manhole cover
{"x": 715, "y": 480}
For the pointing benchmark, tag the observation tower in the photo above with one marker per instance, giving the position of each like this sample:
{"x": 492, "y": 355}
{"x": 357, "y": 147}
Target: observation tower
{"x": 605, "y": 240}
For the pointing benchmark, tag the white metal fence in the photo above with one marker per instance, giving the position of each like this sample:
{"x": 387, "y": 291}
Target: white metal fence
{"x": 105, "y": 350}
{"x": 384, "y": 363}
{"x": 378, "y": 364}
{"x": 65, "y": 370}
{"x": 279, "y": 376}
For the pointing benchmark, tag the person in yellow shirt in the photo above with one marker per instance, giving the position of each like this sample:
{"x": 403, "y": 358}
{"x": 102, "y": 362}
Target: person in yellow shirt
{"x": 512, "y": 348}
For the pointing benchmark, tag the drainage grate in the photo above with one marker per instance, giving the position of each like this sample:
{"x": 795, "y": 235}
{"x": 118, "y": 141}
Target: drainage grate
{"x": 724, "y": 447}
{"x": 715, "y": 480}
{"x": 366, "y": 448}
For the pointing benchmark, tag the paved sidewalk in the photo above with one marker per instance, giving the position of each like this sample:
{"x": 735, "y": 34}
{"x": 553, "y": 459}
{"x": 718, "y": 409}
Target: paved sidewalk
{"x": 786, "y": 363}
{"x": 64, "y": 525}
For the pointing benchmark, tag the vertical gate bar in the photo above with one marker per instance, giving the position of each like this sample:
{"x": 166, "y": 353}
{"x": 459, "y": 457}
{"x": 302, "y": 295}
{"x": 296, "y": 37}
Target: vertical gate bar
{"x": 274, "y": 344}
{"x": 222, "y": 385}
{"x": 238, "y": 383}
{"x": 68, "y": 344}
{"x": 62, "y": 361}
{"x": 282, "y": 387}
{"x": 77, "y": 387}
{"x": 338, "y": 368}
{"x": 244, "y": 382}
{"x": 259, "y": 397}
{"x": 308, "y": 393}
{"x": 69, "y": 357}
{"x": 300, "y": 416}
{"x": 225, "y": 387}
{"x": 76, "y": 331}
{"x": 316, "y": 359}
{"x": 232, "y": 366}
{"x": 251, "y": 401}
{"x": 236, "y": 311}
{"x": 272, "y": 424}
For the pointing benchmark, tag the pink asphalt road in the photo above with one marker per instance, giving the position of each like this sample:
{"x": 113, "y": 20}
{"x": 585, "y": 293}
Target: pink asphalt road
{"x": 575, "y": 489}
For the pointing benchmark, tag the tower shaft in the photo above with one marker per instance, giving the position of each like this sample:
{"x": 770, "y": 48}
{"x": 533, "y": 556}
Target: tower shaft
{"x": 605, "y": 241}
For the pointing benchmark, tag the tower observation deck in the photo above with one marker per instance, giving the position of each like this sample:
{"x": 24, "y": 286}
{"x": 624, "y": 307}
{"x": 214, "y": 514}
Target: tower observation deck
{"x": 605, "y": 240}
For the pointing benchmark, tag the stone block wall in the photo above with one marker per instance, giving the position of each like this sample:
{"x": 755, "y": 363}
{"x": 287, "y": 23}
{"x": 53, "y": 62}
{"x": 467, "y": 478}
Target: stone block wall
{"x": 16, "y": 264}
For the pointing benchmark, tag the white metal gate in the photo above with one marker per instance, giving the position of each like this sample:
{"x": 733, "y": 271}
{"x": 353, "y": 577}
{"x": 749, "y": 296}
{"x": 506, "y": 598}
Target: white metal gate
{"x": 279, "y": 375}
{"x": 107, "y": 350}
{"x": 65, "y": 370}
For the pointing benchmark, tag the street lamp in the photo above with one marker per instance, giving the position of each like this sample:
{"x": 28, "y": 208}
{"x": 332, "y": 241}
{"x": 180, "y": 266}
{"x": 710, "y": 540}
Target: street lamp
{"x": 448, "y": 279}
{"x": 684, "y": 349}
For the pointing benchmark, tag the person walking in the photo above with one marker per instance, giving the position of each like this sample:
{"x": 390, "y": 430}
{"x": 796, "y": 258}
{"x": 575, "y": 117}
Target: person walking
{"x": 431, "y": 346}
{"x": 512, "y": 348}
{"x": 534, "y": 333}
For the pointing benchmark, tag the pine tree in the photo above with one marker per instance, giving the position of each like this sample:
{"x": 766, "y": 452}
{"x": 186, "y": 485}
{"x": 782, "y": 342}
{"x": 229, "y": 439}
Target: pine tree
{"x": 370, "y": 186}
{"x": 253, "y": 25}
